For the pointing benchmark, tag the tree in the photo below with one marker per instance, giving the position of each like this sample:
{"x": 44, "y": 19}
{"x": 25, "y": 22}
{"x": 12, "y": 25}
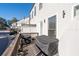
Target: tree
{"x": 2, "y": 20}
{"x": 3, "y": 23}
{"x": 14, "y": 19}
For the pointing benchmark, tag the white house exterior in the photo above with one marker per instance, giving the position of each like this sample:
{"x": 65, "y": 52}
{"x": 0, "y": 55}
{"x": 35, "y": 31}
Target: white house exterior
{"x": 25, "y": 27}
{"x": 65, "y": 17}
{"x": 22, "y": 24}
{"x": 55, "y": 19}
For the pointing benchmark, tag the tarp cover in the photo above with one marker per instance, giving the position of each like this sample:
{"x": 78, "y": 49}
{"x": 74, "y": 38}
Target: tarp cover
{"x": 49, "y": 45}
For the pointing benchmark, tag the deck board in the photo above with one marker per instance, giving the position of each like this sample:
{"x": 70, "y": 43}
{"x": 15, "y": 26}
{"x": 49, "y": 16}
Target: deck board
{"x": 32, "y": 49}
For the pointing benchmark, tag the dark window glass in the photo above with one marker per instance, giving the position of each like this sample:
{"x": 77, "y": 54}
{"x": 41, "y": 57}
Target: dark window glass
{"x": 76, "y": 10}
{"x": 32, "y": 14}
{"x": 35, "y": 12}
{"x": 40, "y": 6}
{"x": 52, "y": 26}
{"x": 52, "y": 23}
{"x": 30, "y": 17}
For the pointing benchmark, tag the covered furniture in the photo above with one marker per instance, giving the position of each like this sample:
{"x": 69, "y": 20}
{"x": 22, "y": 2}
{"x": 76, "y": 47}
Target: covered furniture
{"x": 48, "y": 45}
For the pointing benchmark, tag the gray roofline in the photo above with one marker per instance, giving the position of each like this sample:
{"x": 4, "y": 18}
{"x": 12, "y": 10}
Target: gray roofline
{"x": 31, "y": 8}
{"x": 29, "y": 12}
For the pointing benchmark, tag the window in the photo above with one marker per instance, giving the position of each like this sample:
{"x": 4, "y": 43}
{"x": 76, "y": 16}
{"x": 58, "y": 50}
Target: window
{"x": 41, "y": 27}
{"x": 76, "y": 10}
{"x": 52, "y": 26}
{"x": 32, "y": 14}
{"x": 30, "y": 17}
{"x": 35, "y": 11}
{"x": 40, "y": 6}
{"x": 52, "y": 23}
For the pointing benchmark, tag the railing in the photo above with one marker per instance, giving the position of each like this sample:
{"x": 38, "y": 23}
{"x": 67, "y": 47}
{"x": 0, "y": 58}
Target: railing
{"x": 13, "y": 47}
{"x": 32, "y": 34}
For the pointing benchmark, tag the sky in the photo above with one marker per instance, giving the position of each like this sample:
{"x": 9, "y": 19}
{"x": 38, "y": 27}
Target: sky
{"x": 18, "y": 10}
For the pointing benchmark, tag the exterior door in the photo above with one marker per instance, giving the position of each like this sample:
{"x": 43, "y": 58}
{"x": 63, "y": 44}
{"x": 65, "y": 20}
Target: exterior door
{"x": 52, "y": 26}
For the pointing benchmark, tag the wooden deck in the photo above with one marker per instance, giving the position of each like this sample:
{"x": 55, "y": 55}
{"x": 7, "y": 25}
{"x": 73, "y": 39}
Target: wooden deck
{"x": 32, "y": 49}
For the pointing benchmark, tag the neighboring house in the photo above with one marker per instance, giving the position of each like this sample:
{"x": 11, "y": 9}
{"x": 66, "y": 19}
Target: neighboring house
{"x": 26, "y": 27}
{"x": 19, "y": 24}
{"x": 14, "y": 25}
{"x": 23, "y": 23}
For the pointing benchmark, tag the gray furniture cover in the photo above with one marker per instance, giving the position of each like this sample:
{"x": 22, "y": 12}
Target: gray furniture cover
{"x": 48, "y": 45}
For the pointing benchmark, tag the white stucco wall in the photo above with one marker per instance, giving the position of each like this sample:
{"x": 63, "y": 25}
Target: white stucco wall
{"x": 50, "y": 10}
{"x": 35, "y": 19}
{"x": 44, "y": 14}
{"x": 66, "y": 28}
{"x": 26, "y": 29}
{"x": 69, "y": 41}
